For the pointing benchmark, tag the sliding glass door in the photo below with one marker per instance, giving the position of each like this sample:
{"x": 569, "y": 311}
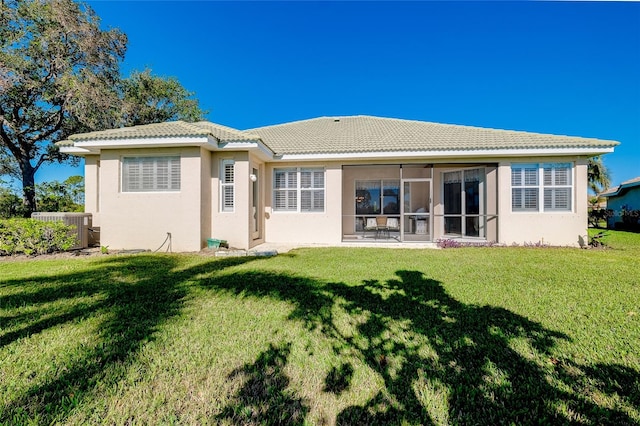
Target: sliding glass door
{"x": 463, "y": 196}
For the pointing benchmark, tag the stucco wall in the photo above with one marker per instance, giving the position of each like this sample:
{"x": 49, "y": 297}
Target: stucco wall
{"x": 92, "y": 187}
{"x": 231, "y": 226}
{"x": 141, "y": 220}
{"x": 205, "y": 195}
{"x": 309, "y": 227}
{"x": 554, "y": 228}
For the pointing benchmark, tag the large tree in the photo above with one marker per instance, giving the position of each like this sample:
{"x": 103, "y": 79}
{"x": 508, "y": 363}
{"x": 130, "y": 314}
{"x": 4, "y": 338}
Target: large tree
{"x": 59, "y": 74}
{"x": 151, "y": 99}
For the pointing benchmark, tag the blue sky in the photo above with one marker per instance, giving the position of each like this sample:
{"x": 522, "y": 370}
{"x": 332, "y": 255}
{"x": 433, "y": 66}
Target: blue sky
{"x": 566, "y": 68}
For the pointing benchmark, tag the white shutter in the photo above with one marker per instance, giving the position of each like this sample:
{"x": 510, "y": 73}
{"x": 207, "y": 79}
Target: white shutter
{"x": 516, "y": 176}
{"x": 306, "y": 179}
{"x": 150, "y": 174}
{"x": 558, "y": 187}
{"x": 228, "y": 172}
{"x": 305, "y": 201}
{"x": 162, "y": 175}
{"x": 227, "y": 185}
{"x": 563, "y": 198}
{"x": 516, "y": 198}
{"x": 531, "y": 176}
{"x": 318, "y": 200}
{"x": 318, "y": 179}
{"x": 548, "y": 176}
{"x": 227, "y": 198}
{"x": 524, "y": 187}
{"x": 174, "y": 173}
{"x": 530, "y": 199}
{"x": 298, "y": 190}
{"x": 557, "y": 199}
{"x": 562, "y": 176}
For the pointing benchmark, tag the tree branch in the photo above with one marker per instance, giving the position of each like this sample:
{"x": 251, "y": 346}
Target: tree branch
{"x": 41, "y": 160}
{"x": 6, "y": 140}
{"x": 60, "y": 117}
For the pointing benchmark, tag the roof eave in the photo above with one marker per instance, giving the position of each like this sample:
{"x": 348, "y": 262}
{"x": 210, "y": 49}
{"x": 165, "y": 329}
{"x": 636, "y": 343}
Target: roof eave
{"x": 459, "y": 153}
{"x": 210, "y": 143}
{"x": 74, "y": 150}
{"x": 259, "y": 148}
{"x": 95, "y": 146}
{"x": 621, "y": 188}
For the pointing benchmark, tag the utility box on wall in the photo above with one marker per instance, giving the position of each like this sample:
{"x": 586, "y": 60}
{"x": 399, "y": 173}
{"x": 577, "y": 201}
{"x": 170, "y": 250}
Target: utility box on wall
{"x": 82, "y": 222}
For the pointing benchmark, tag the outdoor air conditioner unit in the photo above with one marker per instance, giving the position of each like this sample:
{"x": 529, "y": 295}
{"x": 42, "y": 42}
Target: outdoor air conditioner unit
{"x": 82, "y": 222}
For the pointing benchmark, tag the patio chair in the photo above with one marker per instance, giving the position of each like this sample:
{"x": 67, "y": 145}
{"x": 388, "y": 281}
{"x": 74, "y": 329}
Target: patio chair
{"x": 382, "y": 226}
{"x": 393, "y": 224}
{"x": 370, "y": 225}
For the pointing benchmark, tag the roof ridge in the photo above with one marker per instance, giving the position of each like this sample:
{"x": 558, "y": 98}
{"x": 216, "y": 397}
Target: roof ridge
{"x": 211, "y": 123}
{"x": 433, "y": 123}
{"x": 285, "y": 124}
{"x": 203, "y": 123}
{"x": 189, "y": 125}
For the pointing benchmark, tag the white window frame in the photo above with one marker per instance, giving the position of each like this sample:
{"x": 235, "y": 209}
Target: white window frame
{"x": 554, "y": 184}
{"x": 525, "y": 187}
{"x": 289, "y": 186}
{"x": 149, "y": 177}
{"x": 543, "y": 183}
{"x": 227, "y": 183}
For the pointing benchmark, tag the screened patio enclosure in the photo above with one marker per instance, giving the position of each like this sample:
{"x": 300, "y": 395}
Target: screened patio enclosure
{"x": 419, "y": 202}
{"x": 387, "y": 203}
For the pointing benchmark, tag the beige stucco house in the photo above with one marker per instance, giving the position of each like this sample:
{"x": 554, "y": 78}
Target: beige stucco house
{"x": 333, "y": 180}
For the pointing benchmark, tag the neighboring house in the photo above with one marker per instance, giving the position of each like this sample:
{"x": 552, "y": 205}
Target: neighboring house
{"x": 333, "y": 180}
{"x": 623, "y": 204}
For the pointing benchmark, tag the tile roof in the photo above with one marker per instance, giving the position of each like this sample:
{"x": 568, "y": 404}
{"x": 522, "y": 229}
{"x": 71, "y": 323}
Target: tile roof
{"x": 376, "y": 134}
{"x": 353, "y": 134}
{"x": 160, "y": 130}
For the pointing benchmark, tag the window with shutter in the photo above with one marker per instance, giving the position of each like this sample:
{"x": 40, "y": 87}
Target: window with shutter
{"x": 227, "y": 185}
{"x": 541, "y": 186}
{"x": 298, "y": 190}
{"x": 150, "y": 174}
{"x": 524, "y": 187}
{"x": 557, "y": 187}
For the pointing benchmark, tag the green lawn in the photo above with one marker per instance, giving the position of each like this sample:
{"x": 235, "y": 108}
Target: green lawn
{"x": 325, "y": 336}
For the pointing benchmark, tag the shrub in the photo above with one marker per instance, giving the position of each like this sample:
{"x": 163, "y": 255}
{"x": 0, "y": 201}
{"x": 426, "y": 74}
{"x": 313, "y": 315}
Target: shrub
{"x": 30, "y": 236}
{"x": 449, "y": 243}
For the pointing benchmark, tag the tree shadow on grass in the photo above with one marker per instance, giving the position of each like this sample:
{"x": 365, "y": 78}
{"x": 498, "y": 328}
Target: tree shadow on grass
{"x": 264, "y": 398}
{"x": 339, "y": 379}
{"x": 483, "y": 364}
{"x": 136, "y": 294}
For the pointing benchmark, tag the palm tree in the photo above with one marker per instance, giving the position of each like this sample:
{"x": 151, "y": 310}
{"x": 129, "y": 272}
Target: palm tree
{"x": 597, "y": 175}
